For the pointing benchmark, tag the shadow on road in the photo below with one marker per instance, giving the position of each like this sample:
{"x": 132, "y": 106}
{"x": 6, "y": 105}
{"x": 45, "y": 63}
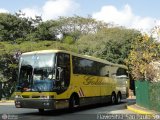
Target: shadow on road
{"x": 131, "y": 101}
{"x": 76, "y": 111}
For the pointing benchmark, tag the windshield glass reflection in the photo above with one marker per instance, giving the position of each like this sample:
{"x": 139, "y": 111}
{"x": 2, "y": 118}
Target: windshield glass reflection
{"x": 37, "y": 72}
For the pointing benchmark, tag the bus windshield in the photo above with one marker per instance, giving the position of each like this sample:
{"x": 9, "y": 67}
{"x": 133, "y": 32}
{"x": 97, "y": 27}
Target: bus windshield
{"x": 36, "y": 72}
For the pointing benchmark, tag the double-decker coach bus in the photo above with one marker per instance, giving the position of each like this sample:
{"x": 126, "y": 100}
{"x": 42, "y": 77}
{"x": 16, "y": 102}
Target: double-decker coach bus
{"x": 56, "y": 79}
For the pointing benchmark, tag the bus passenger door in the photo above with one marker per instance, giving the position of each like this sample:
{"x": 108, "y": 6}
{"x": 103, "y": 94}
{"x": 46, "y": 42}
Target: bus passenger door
{"x": 63, "y": 71}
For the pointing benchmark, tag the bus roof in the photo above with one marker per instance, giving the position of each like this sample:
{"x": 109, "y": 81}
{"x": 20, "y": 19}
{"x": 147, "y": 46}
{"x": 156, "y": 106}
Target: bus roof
{"x": 75, "y": 54}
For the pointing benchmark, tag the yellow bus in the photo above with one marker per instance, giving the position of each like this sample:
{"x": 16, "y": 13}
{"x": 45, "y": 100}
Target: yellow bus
{"x": 56, "y": 79}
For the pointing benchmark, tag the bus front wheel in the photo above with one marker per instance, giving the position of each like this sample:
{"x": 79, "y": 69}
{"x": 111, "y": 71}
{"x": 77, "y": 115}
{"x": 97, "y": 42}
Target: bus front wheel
{"x": 73, "y": 102}
{"x": 41, "y": 110}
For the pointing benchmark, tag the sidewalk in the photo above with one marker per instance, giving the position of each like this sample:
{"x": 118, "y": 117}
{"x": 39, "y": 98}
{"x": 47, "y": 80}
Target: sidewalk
{"x": 132, "y": 106}
{"x": 7, "y": 102}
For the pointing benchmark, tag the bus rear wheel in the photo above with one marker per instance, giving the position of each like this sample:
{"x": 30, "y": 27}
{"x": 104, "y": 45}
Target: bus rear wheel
{"x": 118, "y": 100}
{"x": 113, "y": 98}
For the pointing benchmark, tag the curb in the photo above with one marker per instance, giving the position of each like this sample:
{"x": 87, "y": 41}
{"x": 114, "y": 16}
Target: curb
{"x": 138, "y": 111}
{"x": 142, "y": 112}
{"x": 6, "y": 101}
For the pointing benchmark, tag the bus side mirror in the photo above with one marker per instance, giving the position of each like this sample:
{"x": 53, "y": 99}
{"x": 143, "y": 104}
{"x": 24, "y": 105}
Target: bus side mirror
{"x": 60, "y": 70}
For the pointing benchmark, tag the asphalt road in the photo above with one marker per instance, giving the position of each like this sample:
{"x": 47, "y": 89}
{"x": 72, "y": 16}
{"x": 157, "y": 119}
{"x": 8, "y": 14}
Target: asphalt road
{"x": 92, "y": 112}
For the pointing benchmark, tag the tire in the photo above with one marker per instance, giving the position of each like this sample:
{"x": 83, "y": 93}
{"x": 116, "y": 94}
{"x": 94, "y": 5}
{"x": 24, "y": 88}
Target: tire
{"x": 73, "y": 103}
{"x": 41, "y": 111}
{"x": 118, "y": 100}
{"x": 113, "y": 98}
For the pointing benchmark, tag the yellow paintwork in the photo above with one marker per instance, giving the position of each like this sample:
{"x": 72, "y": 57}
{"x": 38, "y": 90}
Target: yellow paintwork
{"x": 34, "y": 94}
{"x": 84, "y": 85}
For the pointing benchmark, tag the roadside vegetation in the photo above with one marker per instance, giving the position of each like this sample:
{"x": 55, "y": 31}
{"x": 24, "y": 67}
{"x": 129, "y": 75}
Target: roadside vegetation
{"x": 78, "y": 34}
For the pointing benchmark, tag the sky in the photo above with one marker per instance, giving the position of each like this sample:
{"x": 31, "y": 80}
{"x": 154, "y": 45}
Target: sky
{"x": 138, "y": 14}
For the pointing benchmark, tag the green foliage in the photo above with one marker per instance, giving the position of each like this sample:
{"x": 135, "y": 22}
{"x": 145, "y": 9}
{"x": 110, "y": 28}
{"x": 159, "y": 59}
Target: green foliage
{"x": 12, "y": 27}
{"x": 46, "y": 31}
{"x": 76, "y": 26}
{"x": 144, "y": 52}
{"x": 68, "y": 40}
{"x": 112, "y": 44}
{"x": 16, "y": 26}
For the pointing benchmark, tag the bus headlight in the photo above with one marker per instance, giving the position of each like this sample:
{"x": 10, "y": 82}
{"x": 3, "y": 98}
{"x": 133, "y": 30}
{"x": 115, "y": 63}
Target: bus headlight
{"x": 18, "y": 96}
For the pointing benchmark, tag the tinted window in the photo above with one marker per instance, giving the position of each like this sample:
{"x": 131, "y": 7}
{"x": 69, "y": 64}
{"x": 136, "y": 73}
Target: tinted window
{"x": 84, "y": 66}
{"x": 89, "y": 67}
{"x": 121, "y": 71}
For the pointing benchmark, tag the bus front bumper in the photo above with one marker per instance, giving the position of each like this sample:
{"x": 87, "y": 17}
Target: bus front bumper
{"x": 41, "y": 103}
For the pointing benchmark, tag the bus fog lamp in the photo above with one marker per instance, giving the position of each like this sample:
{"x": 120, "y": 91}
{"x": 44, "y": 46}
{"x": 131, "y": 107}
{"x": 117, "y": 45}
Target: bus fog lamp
{"x": 46, "y": 104}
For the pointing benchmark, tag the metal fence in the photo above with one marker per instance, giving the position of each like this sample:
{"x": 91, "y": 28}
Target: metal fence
{"x": 148, "y": 94}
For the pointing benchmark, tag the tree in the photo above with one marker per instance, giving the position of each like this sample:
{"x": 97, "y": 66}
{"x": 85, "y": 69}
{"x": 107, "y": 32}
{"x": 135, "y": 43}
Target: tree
{"x": 144, "y": 52}
{"x": 46, "y": 31}
{"x": 12, "y": 27}
{"x": 112, "y": 44}
{"x": 16, "y": 26}
{"x": 76, "y": 26}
